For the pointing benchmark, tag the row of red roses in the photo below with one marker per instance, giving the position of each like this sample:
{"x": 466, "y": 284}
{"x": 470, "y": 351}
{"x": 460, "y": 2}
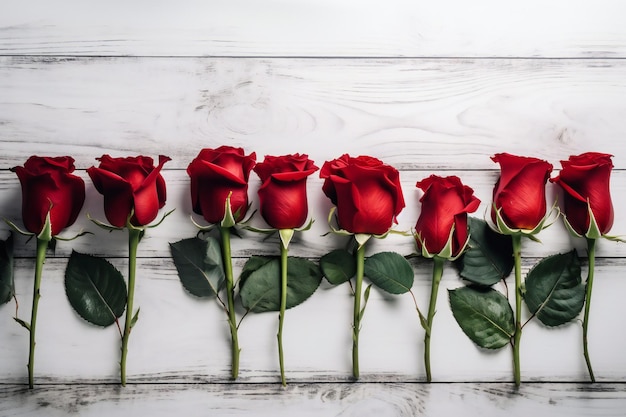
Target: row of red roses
{"x": 366, "y": 192}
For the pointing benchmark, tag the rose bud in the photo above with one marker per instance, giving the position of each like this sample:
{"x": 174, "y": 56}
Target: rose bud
{"x": 442, "y": 225}
{"x": 131, "y": 185}
{"x": 520, "y": 193}
{"x": 366, "y": 191}
{"x": 585, "y": 183}
{"x": 282, "y": 195}
{"x": 215, "y": 174}
{"x": 48, "y": 185}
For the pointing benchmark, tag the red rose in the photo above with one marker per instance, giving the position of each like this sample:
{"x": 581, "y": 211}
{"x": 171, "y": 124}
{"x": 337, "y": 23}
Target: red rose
{"x": 282, "y": 195}
{"x": 520, "y": 192}
{"x": 48, "y": 185}
{"x": 445, "y": 204}
{"x": 130, "y": 185}
{"x": 366, "y": 191}
{"x": 585, "y": 180}
{"x": 216, "y": 173}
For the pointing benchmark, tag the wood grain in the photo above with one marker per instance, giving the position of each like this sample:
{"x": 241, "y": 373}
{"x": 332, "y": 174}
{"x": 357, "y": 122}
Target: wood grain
{"x": 395, "y": 28}
{"x": 414, "y": 113}
{"x": 327, "y": 399}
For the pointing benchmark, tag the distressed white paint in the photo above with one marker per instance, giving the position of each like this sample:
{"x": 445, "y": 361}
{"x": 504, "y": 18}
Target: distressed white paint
{"x": 414, "y": 114}
{"x": 533, "y": 28}
{"x": 428, "y": 87}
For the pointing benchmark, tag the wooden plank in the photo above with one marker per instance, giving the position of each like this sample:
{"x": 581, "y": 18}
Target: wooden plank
{"x": 358, "y": 400}
{"x": 397, "y": 28}
{"x": 414, "y": 114}
{"x": 312, "y": 243}
{"x": 180, "y": 338}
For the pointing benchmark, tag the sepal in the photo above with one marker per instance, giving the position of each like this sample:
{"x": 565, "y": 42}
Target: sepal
{"x": 447, "y": 251}
{"x": 593, "y": 231}
{"x": 102, "y": 225}
{"x": 343, "y": 232}
{"x": 69, "y": 239}
{"x": 200, "y": 227}
{"x": 502, "y": 228}
{"x": 128, "y": 225}
{"x": 17, "y": 229}
{"x": 46, "y": 232}
{"x": 362, "y": 238}
{"x": 152, "y": 226}
{"x": 229, "y": 219}
{"x": 285, "y": 237}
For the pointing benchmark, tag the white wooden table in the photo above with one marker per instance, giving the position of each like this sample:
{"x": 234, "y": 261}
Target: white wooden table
{"x": 429, "y": 87}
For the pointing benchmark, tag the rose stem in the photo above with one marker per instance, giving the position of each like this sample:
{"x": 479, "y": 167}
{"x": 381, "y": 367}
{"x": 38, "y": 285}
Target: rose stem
{"x": 42, "y": 245}
{"x": 437, "y": 273}
{"x": 283, "y": 306}
{"x": 134, "y": 235}
{"x": 360, "y": 261}
{"x": 517, "y": 336}
{"x": 591, "y": 250}
{"x": 232, "y": 319}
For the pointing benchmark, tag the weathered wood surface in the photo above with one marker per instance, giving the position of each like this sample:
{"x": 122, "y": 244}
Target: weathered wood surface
{"x": 433, "y": 87}
{"x": 185, "y": 339}
{"x": 317, "y": 399}
{"x": 395, "y": 28}
{"x": 414, "y": 114}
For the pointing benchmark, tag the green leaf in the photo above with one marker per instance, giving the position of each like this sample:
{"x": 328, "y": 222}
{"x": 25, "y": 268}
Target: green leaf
{"x": 199, "y": 265}
{"x": 366, "y": 297}
{"x": 554, "y": 289}
{"x": 22, "y": 323}
{"x": 7, "y": 285}
{"x": 95, "y": 289}
{"x": 259, "y": 285}
{"x": 133, "y": 321}
{"x": 390, "y": 272}
{"x": 484, "y": 315}
{"x": 489, "y": 255}
{"x": 338, "y": 266}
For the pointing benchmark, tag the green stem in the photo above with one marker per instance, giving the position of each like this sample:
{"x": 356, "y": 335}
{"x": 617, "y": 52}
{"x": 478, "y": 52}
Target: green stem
{"x": 230, "y": 293}
{"x": 436, "y": 279}
{"x": 517, "y": 337}
{"x": 42, "y": 245}
{"x": 134, "y": 235}
{"x": 283, "y": 306}
{"x": 591, "y": 250}
{"x": 356, "y": 327}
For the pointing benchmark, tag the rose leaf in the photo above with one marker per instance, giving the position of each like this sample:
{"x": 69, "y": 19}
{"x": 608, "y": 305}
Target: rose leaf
{"x": 338, "y": 266}
{"x": 484, "y": 315}
{"x": 554, "y": 291}
{"x": 259, "y": 285}
{"x": 95, "y": 289}
{"x": 390, "y": 272}
{"x": 489, "y": 255}
{"x": 199, "y": 265}
{"x": 7, "y": 286}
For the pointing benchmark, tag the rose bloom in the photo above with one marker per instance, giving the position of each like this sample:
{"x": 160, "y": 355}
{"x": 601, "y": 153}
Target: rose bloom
{"x": 585, "y": 180}
{"x": 445, "y": 204}
{"x": 130, "y": 185}
{"x": 216, "y": 173}
{"x": 521, "y": 190}
{"x": 282, "y": 195}
{"x": 48, "y": 185}
{"x": 366, "y": 191}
